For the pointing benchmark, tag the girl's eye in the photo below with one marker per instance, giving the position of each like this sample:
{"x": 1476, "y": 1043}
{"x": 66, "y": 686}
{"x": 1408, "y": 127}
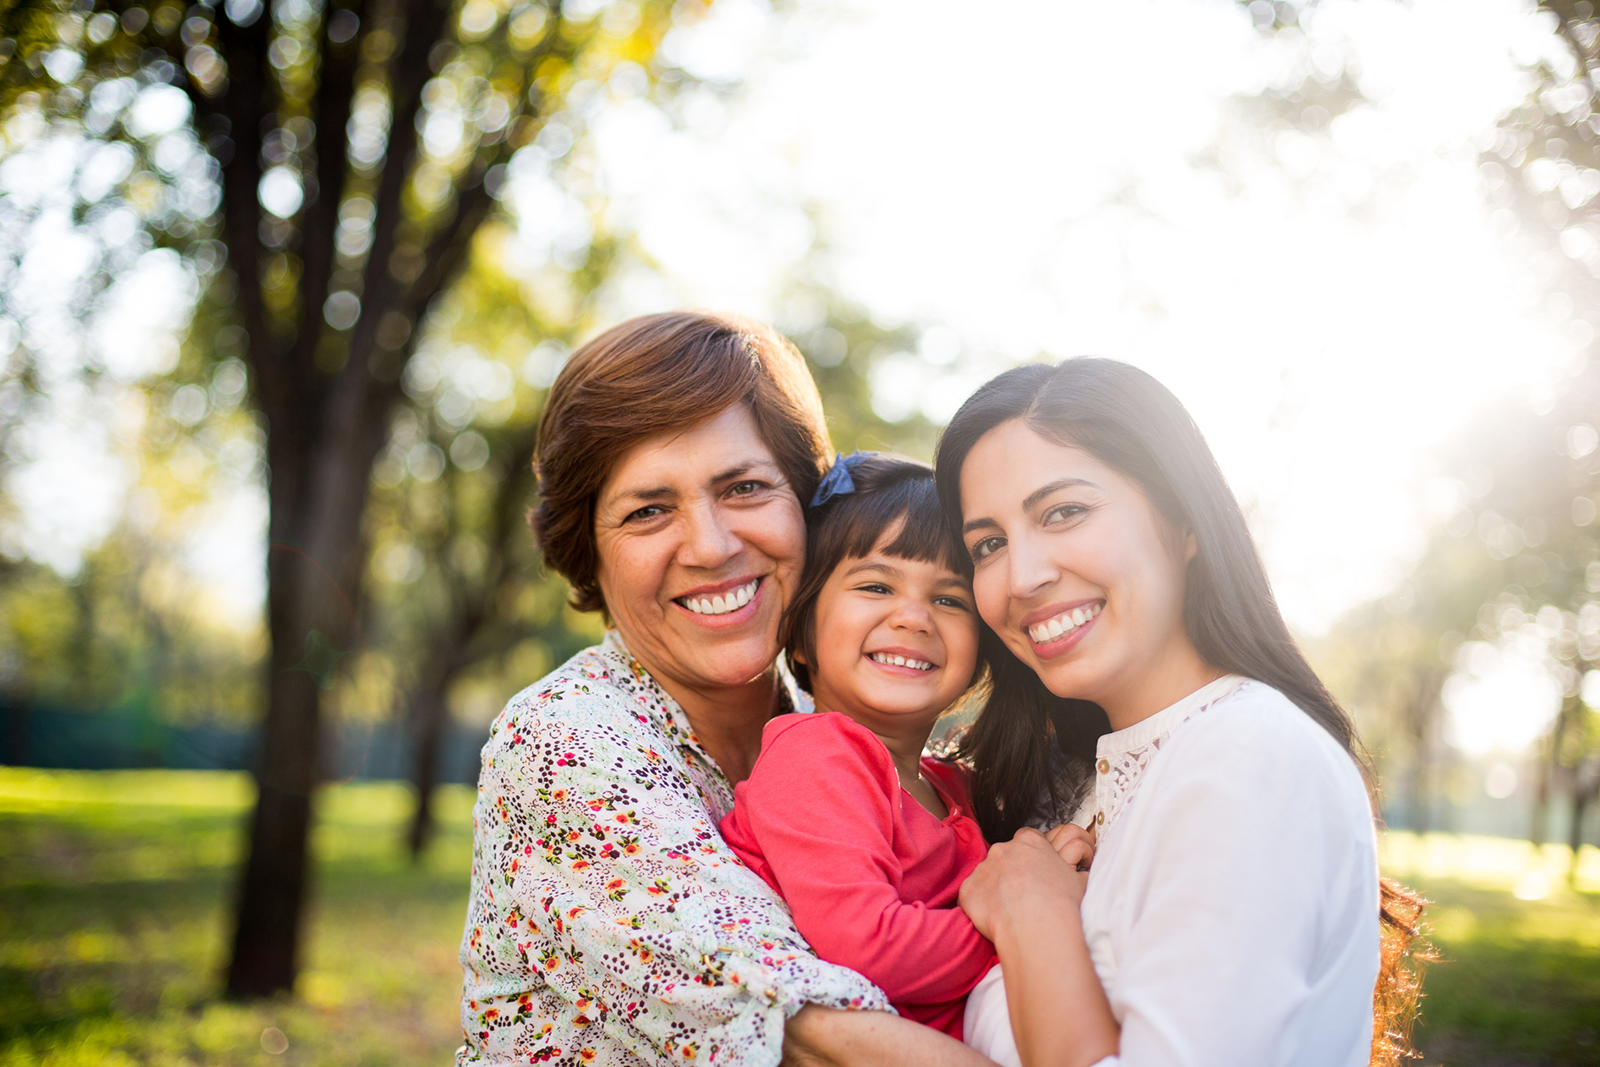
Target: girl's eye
{"x": 875, "y": 587}
{"x": 986, "y": 547}
{"x": 951, "y": 602}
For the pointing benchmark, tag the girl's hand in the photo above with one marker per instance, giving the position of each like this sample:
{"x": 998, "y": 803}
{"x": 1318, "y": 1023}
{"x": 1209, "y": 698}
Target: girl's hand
{"x": 1072, "y": 843}
{"x": 1021, "y": 881}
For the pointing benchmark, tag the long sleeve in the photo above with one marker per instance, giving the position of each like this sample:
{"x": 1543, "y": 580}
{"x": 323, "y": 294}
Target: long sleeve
{"x": 609, "y": 920}
{"x": 1233, "y": 912}
{"x": 822, "y": 807}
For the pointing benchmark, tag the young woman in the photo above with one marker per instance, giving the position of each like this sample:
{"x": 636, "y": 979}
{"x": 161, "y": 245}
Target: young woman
{"x": 1232, "y": 912}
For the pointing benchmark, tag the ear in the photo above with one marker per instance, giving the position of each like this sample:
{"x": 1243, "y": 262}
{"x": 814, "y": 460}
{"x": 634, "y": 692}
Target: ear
{"x": 1191, "y": 547}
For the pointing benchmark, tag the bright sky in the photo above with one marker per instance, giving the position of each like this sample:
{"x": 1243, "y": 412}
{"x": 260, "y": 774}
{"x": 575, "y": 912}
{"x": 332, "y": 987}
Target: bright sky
{"x": 1027, "y": 176}
{"x": 1026, "y": 173}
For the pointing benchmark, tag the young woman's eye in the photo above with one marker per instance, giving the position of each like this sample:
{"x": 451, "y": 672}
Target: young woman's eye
{"x": 986, "y": 547}
{"x": 1064, "y": 513}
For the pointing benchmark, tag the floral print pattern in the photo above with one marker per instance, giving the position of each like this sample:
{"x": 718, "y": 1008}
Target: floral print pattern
{"x": 608, "y": 922}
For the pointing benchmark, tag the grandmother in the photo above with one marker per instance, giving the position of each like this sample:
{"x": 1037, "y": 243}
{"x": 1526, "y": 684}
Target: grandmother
{"x": 608, "y": 921}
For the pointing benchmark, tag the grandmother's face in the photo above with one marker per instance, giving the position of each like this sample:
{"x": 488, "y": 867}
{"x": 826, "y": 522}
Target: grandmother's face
{"x": 701, "y": 541}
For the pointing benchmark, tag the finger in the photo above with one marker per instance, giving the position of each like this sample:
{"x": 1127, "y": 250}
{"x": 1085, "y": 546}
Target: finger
{"x": 1076, "y": 853}
{"x": 1068, "y": 832}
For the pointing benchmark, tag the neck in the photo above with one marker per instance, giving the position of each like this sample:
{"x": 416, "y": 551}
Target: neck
{"x": 728, "y": 720}
{"x": 1174, "y": 674}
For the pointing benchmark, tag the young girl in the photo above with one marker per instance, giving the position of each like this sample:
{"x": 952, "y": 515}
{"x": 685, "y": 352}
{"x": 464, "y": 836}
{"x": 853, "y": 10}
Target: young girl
{"x": 868, "y": 841}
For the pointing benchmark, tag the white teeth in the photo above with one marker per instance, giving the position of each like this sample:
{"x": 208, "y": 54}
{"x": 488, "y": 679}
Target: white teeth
{"x": 1065, "y": 623}
{"x": 733, "y": 600}
{"x": 889, "y": 660}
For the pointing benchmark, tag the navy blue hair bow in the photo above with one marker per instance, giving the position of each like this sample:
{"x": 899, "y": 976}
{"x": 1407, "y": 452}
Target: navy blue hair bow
{"x": 837, "y": 482}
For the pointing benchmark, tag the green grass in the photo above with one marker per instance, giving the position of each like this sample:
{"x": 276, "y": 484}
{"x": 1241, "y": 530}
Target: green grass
{"x": 114, "y": 921}
{"x": 1518, "y": 980}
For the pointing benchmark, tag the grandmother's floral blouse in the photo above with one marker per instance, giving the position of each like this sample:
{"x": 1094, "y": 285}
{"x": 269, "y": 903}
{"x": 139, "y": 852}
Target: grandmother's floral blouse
{"x": 608, "y": 921}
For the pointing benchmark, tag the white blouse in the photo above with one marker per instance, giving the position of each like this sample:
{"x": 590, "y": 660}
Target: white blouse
{"x": 1232, "y": 908}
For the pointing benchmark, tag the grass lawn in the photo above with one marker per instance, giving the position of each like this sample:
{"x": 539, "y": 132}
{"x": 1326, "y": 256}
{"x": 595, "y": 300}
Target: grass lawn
{"x": 114, "y": 921}
{"x": 1518, "y": 981}
{"x": 114, "y": 891}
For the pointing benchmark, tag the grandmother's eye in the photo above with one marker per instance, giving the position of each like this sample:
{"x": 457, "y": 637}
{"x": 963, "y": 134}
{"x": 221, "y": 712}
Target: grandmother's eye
{"x": 745, "y": 488}
{"x": 649, "y": 511}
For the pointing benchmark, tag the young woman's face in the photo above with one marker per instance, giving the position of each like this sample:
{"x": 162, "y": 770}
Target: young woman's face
{"x": 896, "y": 640}
{"x": 701, "y": 541}
{"x": 1075, "y": 570}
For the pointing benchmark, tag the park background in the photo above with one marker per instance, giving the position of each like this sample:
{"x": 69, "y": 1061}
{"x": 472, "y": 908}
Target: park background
{"x": 282, "y": 288}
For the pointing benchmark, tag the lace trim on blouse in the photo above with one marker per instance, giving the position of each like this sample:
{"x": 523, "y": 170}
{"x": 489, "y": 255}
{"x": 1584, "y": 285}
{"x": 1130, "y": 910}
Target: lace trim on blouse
{"x": 1123, "y": 755}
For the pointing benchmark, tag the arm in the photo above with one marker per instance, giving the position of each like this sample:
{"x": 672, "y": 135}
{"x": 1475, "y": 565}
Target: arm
{"x": 1250, "y": 898}
{"x": 647, "y": 923}
{"x": 825, "y": 1037}
{"x": 821, "y": 803}
{"x": 1025, "y": 896}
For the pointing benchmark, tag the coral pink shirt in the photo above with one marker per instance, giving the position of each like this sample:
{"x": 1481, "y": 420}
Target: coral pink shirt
{"x": 870, "y": 875}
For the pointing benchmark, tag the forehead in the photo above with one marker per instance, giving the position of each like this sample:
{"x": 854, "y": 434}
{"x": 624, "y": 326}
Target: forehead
{"x": 1012, "y": 461}
{"x": 914, "y": 569}
{"x": 682, "y": 459}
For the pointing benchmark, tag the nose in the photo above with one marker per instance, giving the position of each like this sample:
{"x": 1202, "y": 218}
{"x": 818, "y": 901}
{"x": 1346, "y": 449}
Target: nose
{"x": 1028, "y": 569}
{"x": 913, "y": 615}
{"x": 708, "y": 540}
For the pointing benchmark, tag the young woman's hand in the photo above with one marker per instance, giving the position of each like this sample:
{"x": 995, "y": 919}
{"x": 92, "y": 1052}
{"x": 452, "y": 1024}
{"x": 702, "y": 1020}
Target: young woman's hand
{"x": 1072, "y": 843}
{"x": 1024, "y": 897}
{"x": 1020, "y": 881}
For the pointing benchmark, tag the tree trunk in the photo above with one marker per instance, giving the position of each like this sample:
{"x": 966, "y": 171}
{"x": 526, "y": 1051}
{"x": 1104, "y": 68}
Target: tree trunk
{"x": 429, "y": 718}
{"x": 318, "y": 493}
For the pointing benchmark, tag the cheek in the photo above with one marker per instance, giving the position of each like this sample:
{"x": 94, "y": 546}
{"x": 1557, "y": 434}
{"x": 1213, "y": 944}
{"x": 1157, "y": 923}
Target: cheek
{"x": 629, "y": 570}
{"x": 989, "y": 592}
{"x": 778, "y": 531}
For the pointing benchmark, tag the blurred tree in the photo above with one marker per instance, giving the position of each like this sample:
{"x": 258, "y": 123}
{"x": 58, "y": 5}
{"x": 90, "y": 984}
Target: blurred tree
{"x": 329, "y": 167}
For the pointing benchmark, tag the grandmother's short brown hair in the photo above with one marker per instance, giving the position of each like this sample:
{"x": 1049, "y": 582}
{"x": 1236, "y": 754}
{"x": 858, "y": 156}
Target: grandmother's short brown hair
{"x": 647, "y": 376}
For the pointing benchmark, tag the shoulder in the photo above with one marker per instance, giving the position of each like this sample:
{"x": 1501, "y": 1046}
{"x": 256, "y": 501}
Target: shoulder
{"x": 596, "y": 690}
{"x": 800, "y": 748}
{"x": 820, "y": 736}
{"x": 1257, "y": 742}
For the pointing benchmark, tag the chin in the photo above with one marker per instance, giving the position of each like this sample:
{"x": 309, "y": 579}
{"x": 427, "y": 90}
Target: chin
{"x": 738, "y": 662}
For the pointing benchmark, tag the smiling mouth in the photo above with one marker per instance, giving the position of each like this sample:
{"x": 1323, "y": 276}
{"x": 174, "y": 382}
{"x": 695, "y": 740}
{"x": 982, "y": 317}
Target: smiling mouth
{"x": 723, "y": 604}
{"x": 1065, "y": 623}
{"x": 889, "y": 660}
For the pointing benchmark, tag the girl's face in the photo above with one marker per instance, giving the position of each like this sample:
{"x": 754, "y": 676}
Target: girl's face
{"x": 896, "y": 640}
{"x": 1075, "y": 570}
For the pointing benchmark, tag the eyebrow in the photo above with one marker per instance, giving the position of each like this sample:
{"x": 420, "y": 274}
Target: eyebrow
{"x": 875, "y": 565}
{"x": 662, "y": 492}
{"x": 1031, "y": 501}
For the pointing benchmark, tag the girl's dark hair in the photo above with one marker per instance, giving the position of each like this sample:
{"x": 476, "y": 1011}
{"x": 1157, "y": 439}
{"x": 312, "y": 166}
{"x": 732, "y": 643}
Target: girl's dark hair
{"x": 889, "y": 490}
{"x": 1134, "y": 425}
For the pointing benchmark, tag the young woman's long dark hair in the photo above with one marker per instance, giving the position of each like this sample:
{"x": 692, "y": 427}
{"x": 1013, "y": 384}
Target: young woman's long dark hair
{"x": 1133, "y": 424}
